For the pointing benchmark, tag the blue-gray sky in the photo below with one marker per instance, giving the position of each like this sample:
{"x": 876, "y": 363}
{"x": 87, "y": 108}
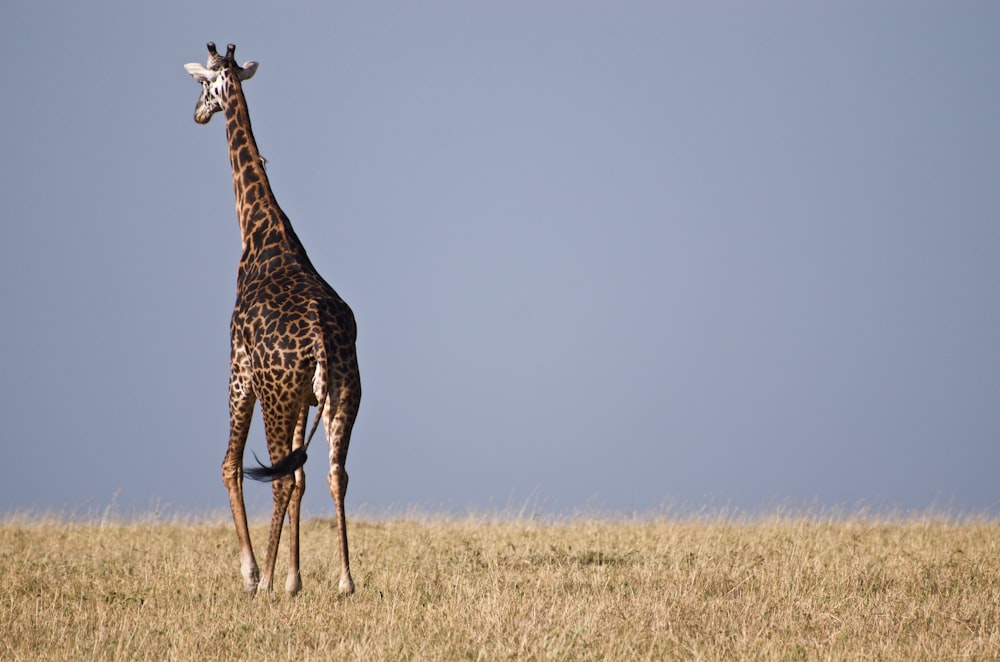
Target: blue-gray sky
{"x": 602, "y": 255}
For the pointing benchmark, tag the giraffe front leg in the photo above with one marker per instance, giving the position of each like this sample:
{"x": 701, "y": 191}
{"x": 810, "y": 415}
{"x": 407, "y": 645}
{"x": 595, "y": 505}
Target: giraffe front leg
{"x": 280, "y": 421}
{"x": 281, "y": 489}
{"x": 293, "y": 584}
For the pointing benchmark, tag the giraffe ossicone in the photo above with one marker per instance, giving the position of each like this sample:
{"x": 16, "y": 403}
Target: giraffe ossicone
{"x": 292, "y": 343}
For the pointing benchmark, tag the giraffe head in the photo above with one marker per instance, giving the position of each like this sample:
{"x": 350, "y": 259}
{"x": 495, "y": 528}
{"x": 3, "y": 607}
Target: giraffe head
{"x": 216, "y": 80}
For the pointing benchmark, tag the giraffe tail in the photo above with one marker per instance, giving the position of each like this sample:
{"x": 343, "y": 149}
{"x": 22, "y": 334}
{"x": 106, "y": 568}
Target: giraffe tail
{"x": 297, "y": 457}
{"x": 265, "y": 473}
{"x": 290, "y": 463}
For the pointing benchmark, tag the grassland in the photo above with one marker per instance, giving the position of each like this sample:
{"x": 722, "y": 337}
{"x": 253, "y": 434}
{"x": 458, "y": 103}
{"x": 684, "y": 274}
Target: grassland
{"x": 482, "y": 588}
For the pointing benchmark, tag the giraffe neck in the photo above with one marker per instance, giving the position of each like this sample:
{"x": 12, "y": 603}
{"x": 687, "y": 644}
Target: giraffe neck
{"x": 265, "y": 231}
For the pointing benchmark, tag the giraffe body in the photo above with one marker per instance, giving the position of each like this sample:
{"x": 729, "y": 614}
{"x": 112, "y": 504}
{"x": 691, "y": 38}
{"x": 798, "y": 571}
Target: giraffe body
{"x": 292, "y": 343}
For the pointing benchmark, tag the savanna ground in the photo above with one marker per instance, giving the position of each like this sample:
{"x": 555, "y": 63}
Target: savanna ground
{"x": 495, "y": 588}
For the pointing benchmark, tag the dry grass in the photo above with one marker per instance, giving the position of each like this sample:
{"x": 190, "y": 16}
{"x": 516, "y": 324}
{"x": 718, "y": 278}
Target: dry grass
{"x": 481, "y": 589}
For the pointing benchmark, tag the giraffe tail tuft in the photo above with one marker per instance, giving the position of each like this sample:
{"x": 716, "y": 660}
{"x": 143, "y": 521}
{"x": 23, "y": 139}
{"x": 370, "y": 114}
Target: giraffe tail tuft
{"x": 264, "y": 473}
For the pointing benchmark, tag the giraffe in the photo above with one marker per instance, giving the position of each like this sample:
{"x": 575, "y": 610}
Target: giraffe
{"x": 292, "y": 343}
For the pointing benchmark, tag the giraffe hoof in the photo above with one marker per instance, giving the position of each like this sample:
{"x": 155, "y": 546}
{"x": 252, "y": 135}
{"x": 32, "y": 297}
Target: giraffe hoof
{"x": 346, "y": 585}
{"x": 293, "y": 585}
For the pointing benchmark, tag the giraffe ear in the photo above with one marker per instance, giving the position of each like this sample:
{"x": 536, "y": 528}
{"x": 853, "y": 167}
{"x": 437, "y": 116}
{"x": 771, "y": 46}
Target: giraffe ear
{"x": 200, "y": 73}
{"x": 249, "y": 69}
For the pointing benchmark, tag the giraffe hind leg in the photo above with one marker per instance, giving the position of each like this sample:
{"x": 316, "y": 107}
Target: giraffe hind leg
{"x": 338, "y": 489}
{"x": 339, "y": 423}
{"x": 240, "y": 412}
